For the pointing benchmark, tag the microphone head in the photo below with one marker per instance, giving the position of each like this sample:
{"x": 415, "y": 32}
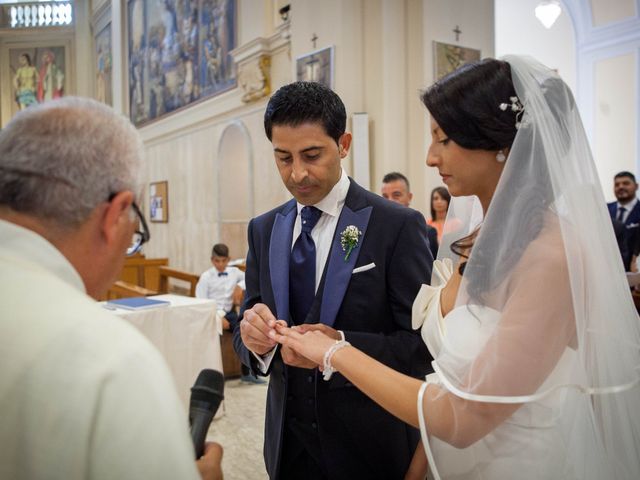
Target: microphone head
{"x": 209, "y": 387}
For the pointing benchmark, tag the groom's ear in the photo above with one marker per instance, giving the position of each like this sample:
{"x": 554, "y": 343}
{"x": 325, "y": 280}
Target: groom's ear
{"x": 344, "y": 143}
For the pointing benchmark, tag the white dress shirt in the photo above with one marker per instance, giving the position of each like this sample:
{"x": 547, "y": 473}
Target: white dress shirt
{"x": 218, "y": 287}
{"x": 628, "y": 207}
{"x": 82, "y": 393}
{"x": 322, "y": 235}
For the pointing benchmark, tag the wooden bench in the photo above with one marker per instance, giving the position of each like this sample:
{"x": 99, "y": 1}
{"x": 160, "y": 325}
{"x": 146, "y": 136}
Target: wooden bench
{"x": 166, "y": 273}
{"x": 142, "y": 271}
{"x": 122, "y": 289}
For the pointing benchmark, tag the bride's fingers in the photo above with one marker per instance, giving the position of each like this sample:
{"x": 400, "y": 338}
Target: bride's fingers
{"x": 286, "y": 340}
{"x": 287, "y": 332}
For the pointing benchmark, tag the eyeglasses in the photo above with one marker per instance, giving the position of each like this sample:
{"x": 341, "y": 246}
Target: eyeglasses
{"x": 140, "y": 237}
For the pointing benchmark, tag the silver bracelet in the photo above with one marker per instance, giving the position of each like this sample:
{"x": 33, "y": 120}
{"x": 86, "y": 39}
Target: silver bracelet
{"x": 328, "y": 370}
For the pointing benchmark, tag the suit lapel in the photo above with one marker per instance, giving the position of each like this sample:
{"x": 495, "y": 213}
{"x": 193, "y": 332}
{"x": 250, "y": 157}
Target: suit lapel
{"x": 279, "y": 253}
{"x": 355, "y": 212}
{"x": 634, "y": 215}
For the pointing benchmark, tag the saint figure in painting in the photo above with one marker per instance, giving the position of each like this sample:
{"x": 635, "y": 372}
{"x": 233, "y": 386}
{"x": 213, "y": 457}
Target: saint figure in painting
{"x": 25, "y": 82}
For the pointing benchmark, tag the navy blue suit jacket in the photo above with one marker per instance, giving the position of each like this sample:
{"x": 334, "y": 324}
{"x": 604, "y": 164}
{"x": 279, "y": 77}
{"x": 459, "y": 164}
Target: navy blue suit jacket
{"x": 359, "y": 439}
{"x": 632, "y": 236}
{"x": 633, "y": 219}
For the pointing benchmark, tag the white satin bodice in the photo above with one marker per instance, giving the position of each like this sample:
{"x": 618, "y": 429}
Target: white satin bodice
{"x": 455, "y": 340}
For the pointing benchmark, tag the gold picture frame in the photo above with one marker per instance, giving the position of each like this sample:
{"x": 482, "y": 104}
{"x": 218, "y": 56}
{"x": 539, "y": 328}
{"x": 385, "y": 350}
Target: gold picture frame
{"x": 448, "y": 57}
{"x": 159, "y": 202}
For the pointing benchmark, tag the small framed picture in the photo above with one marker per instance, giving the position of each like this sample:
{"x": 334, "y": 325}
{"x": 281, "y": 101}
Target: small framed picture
{"x": 447, "y": 58}
{"x": 316, "y": 66}
{"x": 159, "y": 202}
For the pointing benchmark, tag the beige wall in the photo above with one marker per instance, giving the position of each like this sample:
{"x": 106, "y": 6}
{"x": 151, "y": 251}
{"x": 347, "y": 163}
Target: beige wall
{"x": 594, "y": 45}
{"x": 383, "y": 59}
{"x": 554, "y": 47}
{"x": 616, "y": 117}
{"x": 475, "y": 18}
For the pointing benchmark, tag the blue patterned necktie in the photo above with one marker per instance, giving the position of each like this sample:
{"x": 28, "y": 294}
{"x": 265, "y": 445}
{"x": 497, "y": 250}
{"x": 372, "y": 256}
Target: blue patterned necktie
{"x": 302, "y": 267}
{"x": 621, "y": 211}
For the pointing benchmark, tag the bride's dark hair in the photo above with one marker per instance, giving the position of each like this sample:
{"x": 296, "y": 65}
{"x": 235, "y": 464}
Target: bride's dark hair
{"x": 466, "y": 105}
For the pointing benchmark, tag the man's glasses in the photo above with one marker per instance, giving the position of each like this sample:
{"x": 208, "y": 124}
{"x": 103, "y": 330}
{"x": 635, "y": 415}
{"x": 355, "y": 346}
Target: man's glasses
{"x": 141, "y": 236}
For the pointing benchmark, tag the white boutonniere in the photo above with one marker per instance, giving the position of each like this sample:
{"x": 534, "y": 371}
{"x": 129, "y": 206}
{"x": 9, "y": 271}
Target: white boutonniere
{"x": 349, "y": 239}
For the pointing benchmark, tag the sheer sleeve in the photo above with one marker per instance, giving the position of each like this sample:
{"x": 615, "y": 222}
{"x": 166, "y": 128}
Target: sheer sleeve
{"x": 521, "y": 353}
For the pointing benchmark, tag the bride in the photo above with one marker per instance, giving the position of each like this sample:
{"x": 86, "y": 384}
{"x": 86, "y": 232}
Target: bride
{"x": 535, "y": 339}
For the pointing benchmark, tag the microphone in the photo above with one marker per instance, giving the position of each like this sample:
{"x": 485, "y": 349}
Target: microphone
{"x": 206, "y": 395}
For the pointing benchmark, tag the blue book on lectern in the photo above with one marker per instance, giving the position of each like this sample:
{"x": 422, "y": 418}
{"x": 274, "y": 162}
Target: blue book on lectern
{"x": 137, "y": 303}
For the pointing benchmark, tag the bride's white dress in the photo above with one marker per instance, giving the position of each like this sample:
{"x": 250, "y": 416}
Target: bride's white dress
{"x": 525, "y": 446}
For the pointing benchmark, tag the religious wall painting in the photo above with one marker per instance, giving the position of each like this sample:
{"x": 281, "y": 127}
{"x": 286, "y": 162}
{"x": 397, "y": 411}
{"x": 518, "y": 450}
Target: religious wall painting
{"x": 217, "y": 39}
{"x": 104, "y": 79}
{"x": 38, "y": 74}
{"x": 448, "y": 57}
{"x": 178, "y": 53}
{"x": 316, "y": 66}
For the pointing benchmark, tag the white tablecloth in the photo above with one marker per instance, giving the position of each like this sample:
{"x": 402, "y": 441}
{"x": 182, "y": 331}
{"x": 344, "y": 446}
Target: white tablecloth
{"x": 187, "y": 335}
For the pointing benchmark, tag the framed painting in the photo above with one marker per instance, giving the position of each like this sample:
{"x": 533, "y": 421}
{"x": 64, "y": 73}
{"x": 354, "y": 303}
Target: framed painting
{"x": 38, "y": 74}
{"x": 159, "y": 202}
{"x": 217, "y": 39}
{"x": 104, "y": 80}
{"x": 136, "y": 64}
{"x": 316, "y": 66}
{"x": 448, "y": 57}
{"x": 178, "y": 53}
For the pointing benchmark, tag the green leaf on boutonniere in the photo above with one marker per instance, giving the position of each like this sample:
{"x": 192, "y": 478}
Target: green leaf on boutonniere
{"x": 349, "y": 239}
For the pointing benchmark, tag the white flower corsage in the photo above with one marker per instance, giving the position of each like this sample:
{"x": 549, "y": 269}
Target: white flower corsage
{"x": 349, "y": 239}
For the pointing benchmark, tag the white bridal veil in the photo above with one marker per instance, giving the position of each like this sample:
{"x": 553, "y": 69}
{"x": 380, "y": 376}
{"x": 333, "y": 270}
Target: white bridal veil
{"x": 544, "y": 319}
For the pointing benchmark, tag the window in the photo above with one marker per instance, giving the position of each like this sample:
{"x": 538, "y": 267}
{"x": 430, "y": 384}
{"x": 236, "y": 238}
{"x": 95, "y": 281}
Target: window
{"x": 36, "y": 14}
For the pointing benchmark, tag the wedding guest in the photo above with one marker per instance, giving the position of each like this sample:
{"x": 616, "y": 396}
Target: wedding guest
{"x": 396, "y": 188}
{"x": 626, "y": 210}
{"x": 439, "y": 205}
{"x": 221, "y": 283}
{"x": 82, "y": 393}
{"x": 536, "y": 342}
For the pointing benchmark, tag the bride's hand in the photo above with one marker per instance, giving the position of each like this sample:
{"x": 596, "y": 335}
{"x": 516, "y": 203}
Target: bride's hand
{"x": 311, "y": 344}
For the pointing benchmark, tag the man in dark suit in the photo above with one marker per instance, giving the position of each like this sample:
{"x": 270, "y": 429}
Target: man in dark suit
{"x": 302, "y": 268}
{"x": 395, "y": 187}
{"x": 627, "y": 211}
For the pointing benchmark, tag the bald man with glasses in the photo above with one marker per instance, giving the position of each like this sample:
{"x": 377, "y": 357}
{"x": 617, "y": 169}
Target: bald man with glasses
{"x": 82, "y": 393}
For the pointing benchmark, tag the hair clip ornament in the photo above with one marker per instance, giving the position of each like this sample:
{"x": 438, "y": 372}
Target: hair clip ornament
{"x": 518, "y": 108}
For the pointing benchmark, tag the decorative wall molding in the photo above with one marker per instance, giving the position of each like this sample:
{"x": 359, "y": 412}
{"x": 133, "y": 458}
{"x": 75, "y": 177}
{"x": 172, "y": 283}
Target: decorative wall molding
{"x": 594, "y": 44}
{"x": 253, "y": 63}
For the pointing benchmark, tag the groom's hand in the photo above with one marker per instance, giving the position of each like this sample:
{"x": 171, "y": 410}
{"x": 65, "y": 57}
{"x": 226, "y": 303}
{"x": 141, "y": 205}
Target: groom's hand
{"x": 255, "y": 326}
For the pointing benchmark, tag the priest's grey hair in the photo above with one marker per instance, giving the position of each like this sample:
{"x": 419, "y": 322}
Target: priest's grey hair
{"x": 61, "y": 159}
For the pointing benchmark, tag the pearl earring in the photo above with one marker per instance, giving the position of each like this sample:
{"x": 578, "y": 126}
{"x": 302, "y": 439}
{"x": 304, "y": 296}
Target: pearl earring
{"x": 500, "y": 156}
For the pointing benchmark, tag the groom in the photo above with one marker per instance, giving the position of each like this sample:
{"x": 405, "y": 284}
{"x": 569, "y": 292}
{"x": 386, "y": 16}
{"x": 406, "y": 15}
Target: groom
{"x": 348, "y": 262}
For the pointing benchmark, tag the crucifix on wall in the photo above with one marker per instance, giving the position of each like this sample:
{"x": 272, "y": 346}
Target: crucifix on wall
{"x": 457, "y": 31}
